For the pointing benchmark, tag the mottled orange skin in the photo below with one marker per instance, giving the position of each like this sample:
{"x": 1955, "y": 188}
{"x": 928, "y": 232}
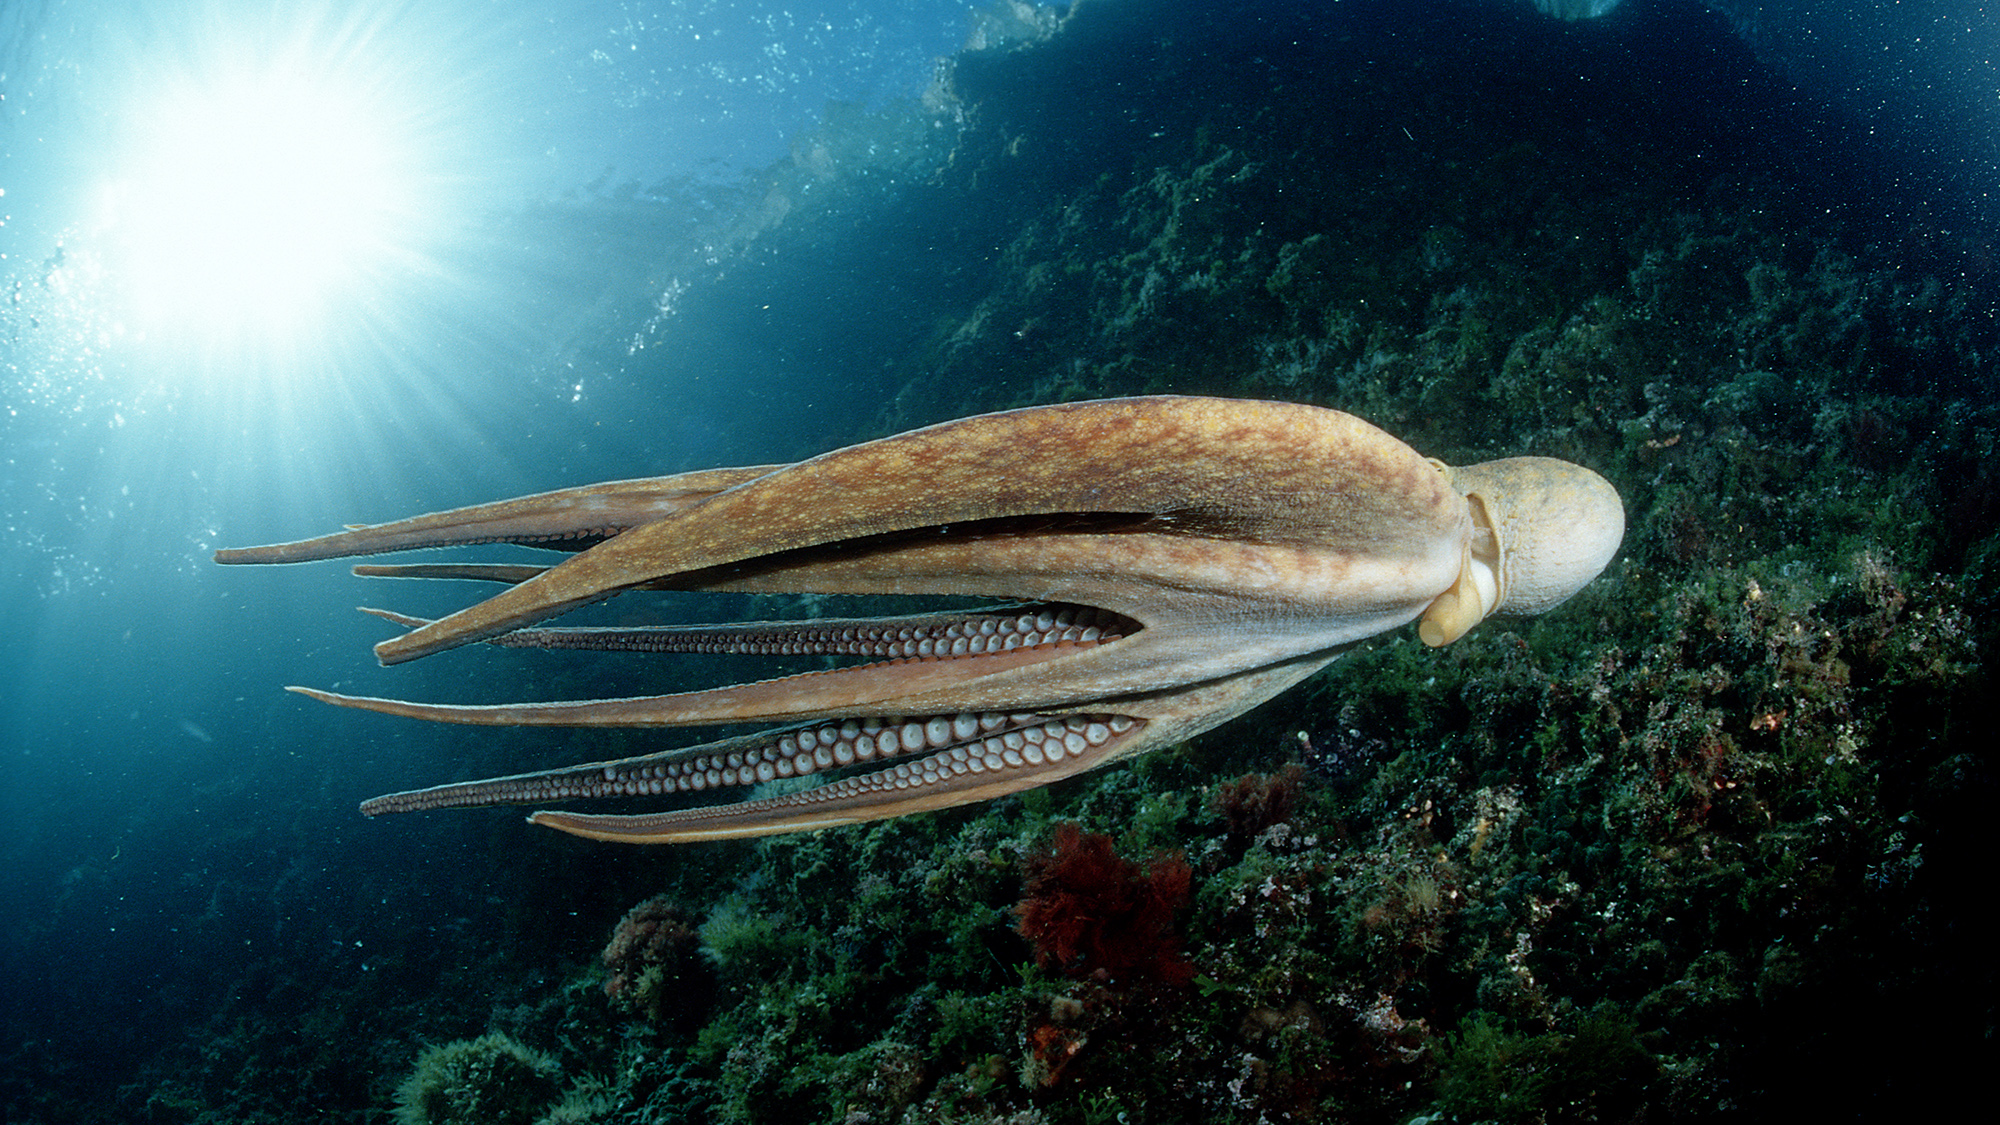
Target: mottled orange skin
{"x": 1249, "y": 541}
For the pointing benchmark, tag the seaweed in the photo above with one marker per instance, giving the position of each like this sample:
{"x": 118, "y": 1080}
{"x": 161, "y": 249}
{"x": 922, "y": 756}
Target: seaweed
{"x": 1092, "y": 913}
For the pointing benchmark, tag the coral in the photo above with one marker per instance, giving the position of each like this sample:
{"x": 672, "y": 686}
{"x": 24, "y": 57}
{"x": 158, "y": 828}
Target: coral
{"x": 491, "y": 1080}
{"x": 1089, "y": 911}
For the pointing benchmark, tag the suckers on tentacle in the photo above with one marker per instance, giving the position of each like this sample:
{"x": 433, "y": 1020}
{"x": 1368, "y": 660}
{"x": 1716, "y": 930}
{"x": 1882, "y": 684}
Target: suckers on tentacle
{"x": 988, "y": 742}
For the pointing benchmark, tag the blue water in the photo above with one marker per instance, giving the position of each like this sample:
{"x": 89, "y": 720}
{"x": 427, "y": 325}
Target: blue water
{"x": 170, "y": 817}
{"x": 568, "y": 304}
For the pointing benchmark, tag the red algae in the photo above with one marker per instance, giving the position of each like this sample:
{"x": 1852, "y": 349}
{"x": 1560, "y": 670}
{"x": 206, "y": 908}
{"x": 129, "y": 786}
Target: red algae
{"x": 1091, "y": 912}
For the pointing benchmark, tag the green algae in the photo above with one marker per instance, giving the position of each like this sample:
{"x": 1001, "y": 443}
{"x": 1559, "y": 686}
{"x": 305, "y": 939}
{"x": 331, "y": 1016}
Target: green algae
{"x": 491, "y": 1080}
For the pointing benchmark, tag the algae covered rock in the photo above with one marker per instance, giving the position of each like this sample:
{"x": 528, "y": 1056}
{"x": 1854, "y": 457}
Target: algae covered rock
{"x": 491, "y": 1080}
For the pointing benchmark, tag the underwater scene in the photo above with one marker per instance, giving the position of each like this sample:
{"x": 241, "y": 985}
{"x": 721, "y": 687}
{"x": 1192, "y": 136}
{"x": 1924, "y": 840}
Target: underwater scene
{"x": 1225, "y": 560}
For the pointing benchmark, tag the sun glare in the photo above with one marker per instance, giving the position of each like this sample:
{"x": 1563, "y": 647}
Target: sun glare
{"x": 284, "y": 182}
{"x": 255, "y": 203}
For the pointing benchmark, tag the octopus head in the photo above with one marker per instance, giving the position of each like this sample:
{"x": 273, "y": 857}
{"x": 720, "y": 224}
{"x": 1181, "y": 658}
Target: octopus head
{"x": 1541, "y": 530}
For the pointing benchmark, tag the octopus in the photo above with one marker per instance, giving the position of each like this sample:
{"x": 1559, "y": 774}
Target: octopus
{"x": 1135, "y": 572}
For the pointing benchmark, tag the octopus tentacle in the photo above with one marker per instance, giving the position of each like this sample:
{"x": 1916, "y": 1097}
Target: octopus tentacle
{"x": 992, "y": 766}
{"x": 820, "y": 694}
{"x": 978, "y": 743}
{"x": 569, "y": 519}
{"x": 965, "y": 769}
{"x": 509, "y": 573}
{"x": 925, "y": 636}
